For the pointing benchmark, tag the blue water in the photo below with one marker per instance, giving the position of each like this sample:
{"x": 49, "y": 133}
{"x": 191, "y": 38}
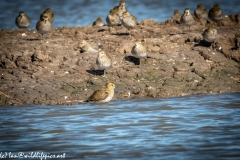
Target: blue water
{"x": 84, "y": 12}
{"x": 192, "y": 127}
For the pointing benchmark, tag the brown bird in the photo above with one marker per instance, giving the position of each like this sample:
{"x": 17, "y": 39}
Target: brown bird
{"x": 176, "y": 15}
{"x": 139, "y": 50}
{"x": 113, "y": 18}
{"x": 215, "y": 13}
{"x": 44, "y": 26}
{"x": 22, "y": 21}
{"x": 103, "y": 61}
{"x": 187, "y": 18}
{"x": 99, "y": 22}
{"x": 210, "y": 34}
{"x": 90, "y": 47}
{"x": 129, "y": 21}
{"x": 48, "y": 12}
{"x": 103, "y": 95}
{"x": 200, "y": 12}
{"x": 120, "y": 8}
{"x": 232, "y": 18}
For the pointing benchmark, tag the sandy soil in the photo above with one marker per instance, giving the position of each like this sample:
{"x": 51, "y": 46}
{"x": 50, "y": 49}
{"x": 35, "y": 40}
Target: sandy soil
{"x": 54, "y": 71}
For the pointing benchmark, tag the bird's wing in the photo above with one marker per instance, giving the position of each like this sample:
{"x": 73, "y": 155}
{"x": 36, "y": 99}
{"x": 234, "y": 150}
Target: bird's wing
{"x": 135, "y": 19}
{"x": 98, "y": 95}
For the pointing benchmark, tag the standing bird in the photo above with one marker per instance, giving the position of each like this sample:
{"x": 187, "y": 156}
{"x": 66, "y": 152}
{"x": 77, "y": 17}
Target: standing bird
{"x": 113, "y": 18}
{"x": 210, "y": 34}
{"x": 176, "y": 15}
{"x": 103, "y": 61}
{"x": 48, "y": 12}
{"x": 22, "y": 21}
{"x": 139, "y": 50}
{"x": 120, "y": 8}
{"x": 99, "y": 22}
{"x": 128, "y": 20}
{"x": 90, "y": 47}
{"x": 232, "y": 18}
{"x": 200, "y": 12}
{"x": 187, "y": 18}
{"x": 103, "y": 95}
{"x": 44, "y": 26}
{"x": 215, "y": 13}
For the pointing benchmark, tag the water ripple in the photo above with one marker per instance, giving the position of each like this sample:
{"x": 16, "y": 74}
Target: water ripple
{"x": 84, "y": 12}
{"x": 192, "y": 127}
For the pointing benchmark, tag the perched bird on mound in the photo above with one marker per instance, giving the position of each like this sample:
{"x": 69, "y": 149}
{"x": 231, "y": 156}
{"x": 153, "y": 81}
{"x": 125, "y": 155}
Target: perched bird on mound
{"x": 200, "y": 12}
{"x": 139, "y": 50}
{"x": 215, "y": 13}
{"x": 103, "y": 61}
{"x": 187, "y": 18}
{"x": 90, "y": 47}
{"x": 120, "y": 8}
{"x": 22, "y": 21}
{"x": 48, "y": 12}
{"x": 113, "y": 18}
{"x": 44, "y": 26}
{"x": 176, "y": 15}
{"x": 128, "y": 20}
{"x": 210, "y": 34}
{"x": 99, "y": 22}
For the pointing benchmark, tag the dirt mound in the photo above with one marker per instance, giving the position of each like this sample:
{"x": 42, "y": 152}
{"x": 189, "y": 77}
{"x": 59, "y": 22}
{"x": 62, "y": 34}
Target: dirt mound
{"x": 52, "y": 70}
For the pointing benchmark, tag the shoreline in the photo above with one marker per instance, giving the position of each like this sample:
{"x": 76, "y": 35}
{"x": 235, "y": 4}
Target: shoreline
{"x": 54, "y": 72}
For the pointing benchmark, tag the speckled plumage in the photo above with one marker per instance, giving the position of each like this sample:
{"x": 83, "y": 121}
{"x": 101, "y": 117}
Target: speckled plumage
{"x": 44, "y": 26}
{"x": 128, "y": 20}
{"x": 90, "y": 47}
{"x": 215, "y": 13}
{"x": 210, "y": 34}
{"x": 176, "y": 15}
{"x": 103, "y": 95}
{"x": 139, "y": 50}
{"x": 200, "y": 12}
{"x": 113, "y": 19}
{"x": 99, "y": 22}
{"x": 22, "y": 21}
{"x": 103, "y": 61}
{"x": 120, "y": 8}
{"x": 48, "y": 12}
{"x": 187, "y": 18}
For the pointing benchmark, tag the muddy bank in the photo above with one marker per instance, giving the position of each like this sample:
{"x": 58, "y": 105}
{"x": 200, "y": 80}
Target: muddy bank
{"x": 54, "y": 71}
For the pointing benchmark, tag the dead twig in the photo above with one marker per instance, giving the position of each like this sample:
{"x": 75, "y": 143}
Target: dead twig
{"x": 9, "y": 96}
{"x": 5, "y": 95}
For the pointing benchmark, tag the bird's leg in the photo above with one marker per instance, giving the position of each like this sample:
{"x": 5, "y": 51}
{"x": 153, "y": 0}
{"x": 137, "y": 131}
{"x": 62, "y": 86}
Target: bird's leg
{"x": 41, "y": 37}
{"x": 104, "y": 75}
